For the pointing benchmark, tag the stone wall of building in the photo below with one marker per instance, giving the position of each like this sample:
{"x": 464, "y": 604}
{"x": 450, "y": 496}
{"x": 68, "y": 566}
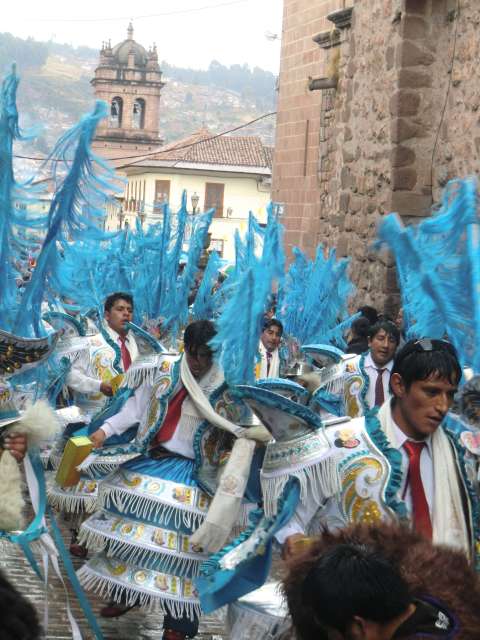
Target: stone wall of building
{"x": 457, "y": 151}
{"x": 295, "y": 180}
{"x": 400, "y": 119}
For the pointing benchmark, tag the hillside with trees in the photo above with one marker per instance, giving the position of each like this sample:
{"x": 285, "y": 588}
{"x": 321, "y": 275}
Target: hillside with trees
{"x": 55, "y": 91}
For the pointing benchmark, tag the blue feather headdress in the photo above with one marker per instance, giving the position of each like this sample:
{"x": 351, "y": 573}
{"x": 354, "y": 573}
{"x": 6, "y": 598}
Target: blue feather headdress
{"x": 76, "y": 213}
{"x": 438, "y": 265}
{"x": 314, "y": 297}
{"x": 18, "y": 225}
{"x": 240, "y": 323}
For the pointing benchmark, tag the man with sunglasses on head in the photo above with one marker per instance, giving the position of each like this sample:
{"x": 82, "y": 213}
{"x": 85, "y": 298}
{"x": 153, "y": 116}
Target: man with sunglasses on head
{"x": 409, "y": 461}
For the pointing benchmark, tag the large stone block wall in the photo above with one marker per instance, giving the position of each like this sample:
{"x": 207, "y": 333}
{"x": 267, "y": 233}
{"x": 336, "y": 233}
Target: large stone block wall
{"x": 358, "y": 191}
{"x": 400, "y": 123}
{"x": 295, "y": 177}
{"x": 458, "y": 148}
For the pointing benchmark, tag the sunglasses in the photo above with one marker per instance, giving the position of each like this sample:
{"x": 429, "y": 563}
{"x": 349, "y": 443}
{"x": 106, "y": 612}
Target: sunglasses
{"x": 426, "y": 345}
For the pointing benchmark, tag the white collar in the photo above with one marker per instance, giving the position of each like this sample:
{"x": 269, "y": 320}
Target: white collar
{"x": 369, "y": 363}
{"x": 114, "y": 335}
{"x": 401, "y": 438}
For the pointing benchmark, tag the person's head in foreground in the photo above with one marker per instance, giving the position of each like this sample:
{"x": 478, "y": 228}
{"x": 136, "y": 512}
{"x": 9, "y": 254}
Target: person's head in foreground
{"x": 18, "y": 618}
{"x": 424, "y": 379}
{"x": 197, "y": 350}
{"x": 381, "y": 583}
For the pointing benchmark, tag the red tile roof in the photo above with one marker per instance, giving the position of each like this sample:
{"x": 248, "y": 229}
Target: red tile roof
{"x": 247, "y": 151}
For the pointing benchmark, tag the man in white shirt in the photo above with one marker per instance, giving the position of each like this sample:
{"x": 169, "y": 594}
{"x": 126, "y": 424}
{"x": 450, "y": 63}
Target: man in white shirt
{"x": 382, "y": 342}
{"x": 367, "y": 376}
{"x": 269, "y": 364}
{"x": 428, "y": 464}
{"x": 112, "y": 351}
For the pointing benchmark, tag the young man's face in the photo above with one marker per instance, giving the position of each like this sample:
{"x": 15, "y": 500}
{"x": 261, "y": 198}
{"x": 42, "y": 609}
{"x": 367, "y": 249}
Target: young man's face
{"x": 271, "y": 337}
{"x": 120, "y": 313}
{"x": 420, "y": 409}
{"x": 199, "y": 360}
{"x": 382, "y": 347}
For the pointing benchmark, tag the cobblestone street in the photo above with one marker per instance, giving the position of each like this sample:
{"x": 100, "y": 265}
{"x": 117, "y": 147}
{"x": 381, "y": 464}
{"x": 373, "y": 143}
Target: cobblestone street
{"x": 134, "y": 625}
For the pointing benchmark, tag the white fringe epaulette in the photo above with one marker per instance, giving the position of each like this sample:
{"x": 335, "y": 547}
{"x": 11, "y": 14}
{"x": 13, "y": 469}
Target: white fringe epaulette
{"x": 318, "y": 481}
{"x": 146, "y": 369}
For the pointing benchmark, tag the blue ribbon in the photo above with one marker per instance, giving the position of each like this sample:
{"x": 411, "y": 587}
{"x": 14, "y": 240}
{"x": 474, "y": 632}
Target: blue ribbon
{"x": 35, "y": 529}
{"x": 72, "y": 576}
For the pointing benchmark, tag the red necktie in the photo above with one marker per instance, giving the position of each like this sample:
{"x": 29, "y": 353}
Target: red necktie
{"x": 172, "y": 417}
{"x": 421, "y": 512}
{"x": 126, "y": 358}
{"x": 379, "y": 392}
{"x": 269, "y": 362}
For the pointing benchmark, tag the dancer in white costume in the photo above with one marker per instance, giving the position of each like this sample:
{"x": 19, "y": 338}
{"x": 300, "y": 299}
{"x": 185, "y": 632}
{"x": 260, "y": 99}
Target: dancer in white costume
{"x": 151, "y": 506}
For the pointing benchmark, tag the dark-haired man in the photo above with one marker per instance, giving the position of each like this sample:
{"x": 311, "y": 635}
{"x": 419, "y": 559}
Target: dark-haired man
{"x": 111, "y": 352}
{"x": 269, "y": 363}
{"x": 159, "y": 496}
{"x": 367, "y": 376}
{"x": 410, "y": 461}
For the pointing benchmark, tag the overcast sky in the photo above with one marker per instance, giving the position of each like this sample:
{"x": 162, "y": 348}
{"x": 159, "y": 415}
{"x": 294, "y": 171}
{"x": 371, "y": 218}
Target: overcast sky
{"x": 187, "y": 32}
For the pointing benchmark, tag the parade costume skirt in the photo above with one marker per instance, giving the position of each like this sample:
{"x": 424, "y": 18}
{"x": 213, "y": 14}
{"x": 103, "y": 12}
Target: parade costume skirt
{"x": 82, "y": 497}
{"x": 148, "y": 510}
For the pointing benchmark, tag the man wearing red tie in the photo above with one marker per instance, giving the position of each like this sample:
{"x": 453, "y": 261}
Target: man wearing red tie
{"x": 413, "y": 460}
{"x": 112, "y": 351}
{"x": 424, "y": 380}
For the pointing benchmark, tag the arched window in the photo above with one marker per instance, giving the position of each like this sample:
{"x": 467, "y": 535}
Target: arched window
{"x": 116, "y": 112}
{"x": 139, "y": 113}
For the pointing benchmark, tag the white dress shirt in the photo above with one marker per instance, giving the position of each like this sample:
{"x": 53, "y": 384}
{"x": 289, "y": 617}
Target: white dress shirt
{"x": 371, "y": 371}
{"x": 129, "y": 341}
{"x": 133, "y": 411}
{"x": 80, "y": 377}
{"x": 426, "y": 471}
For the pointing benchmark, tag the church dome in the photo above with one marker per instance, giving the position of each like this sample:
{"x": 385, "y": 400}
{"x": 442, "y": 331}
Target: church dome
{"x": 120, "y": 51}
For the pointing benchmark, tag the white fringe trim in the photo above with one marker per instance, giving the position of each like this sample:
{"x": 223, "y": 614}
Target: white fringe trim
{"x": 317, "y": 482}
{"x": 146, "y": 508}
{"x": 143, "y": 370}
{"x": 174, "y": 563}
{"x": 110, "y": 589}
{"x": 100, "y": 468}
{"x": 71, "y": 503}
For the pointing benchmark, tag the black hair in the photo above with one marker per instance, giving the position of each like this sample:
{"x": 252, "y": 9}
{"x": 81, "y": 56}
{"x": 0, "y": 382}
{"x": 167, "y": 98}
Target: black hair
{"x": 354, "y": 580}
{"x": 370, "y": 313}
{"x": 420, "y": 359}
{"x": 18, "y": 615}
{"x": 118, "y": 295}
{"x": 360, "y": 327}
{"x": 198, "y": 334}
{"x": 273, "y": 322}
{"x": 385, "y": 325}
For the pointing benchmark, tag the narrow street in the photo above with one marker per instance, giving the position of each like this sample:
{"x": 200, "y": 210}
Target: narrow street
{"x": 135, "y": 625}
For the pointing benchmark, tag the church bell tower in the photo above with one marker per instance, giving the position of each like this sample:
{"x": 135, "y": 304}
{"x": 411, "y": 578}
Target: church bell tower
{"x": 129, "y": 79}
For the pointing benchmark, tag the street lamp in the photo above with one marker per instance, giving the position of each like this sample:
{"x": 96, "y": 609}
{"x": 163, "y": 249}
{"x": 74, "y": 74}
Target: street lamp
{"x": 194, "y": 198}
